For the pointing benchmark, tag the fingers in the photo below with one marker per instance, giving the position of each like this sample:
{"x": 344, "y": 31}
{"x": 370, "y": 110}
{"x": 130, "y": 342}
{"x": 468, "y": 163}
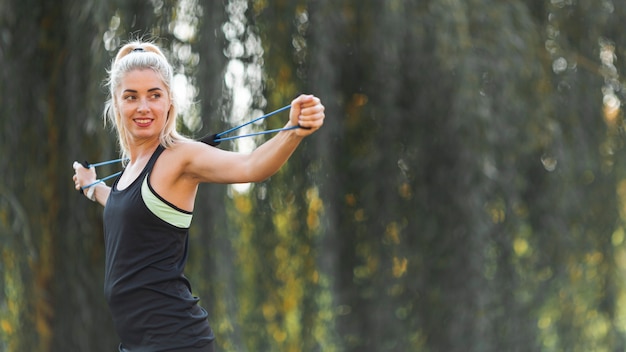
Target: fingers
{"x": 311, "y": 120}
{"x": 311, "y": 113}
{"x": 305, "y": 101}
{"x": 307, "y": 111}
{"x": 314, "y": 111}
{"x": 76, "y": 182}
{"x": 307, "y": 104}
{"x": 82, "y": 176}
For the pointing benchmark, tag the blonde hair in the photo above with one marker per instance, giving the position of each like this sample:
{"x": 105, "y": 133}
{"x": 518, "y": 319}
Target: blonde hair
{"x": 140, "y": 56}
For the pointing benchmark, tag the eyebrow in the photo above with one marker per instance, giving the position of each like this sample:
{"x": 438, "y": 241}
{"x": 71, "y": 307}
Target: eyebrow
{"x": 134, "y": 91}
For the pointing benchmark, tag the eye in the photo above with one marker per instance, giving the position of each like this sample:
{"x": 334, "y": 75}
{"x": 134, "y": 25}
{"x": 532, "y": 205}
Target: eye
{"x": 129, "y": 97}
{"x": 156, "y": 95}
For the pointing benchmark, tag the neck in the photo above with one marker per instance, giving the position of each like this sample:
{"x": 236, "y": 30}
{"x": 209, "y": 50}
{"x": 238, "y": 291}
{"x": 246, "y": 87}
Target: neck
{"x": 140, "y": 151}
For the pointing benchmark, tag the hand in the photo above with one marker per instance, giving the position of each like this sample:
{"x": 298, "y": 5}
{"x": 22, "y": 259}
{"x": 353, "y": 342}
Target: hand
{"x": 308, "y": 112}
{"x": 83, "y": 176}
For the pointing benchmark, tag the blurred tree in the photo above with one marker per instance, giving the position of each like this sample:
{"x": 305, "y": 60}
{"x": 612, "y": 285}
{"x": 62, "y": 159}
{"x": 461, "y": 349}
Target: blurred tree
{"x": 210, "y": 263}
{"x": 465, "y": 194}
{"x": 53, "y": 63}
{"x": 51, "y": 74}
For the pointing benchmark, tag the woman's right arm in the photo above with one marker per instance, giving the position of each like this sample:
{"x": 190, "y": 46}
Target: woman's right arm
{"x": 83, "y": 176}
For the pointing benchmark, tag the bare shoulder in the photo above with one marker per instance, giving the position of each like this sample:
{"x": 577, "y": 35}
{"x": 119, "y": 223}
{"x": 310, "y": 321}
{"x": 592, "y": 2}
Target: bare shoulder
{"x": 193, "y": 159}
{"x": 172, "y": 178}
{"x": 187, "y": 150}
{"x": 187, "y": 144}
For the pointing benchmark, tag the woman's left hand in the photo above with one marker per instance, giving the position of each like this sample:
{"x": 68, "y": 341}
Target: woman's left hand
{"x": 306, "y": 111}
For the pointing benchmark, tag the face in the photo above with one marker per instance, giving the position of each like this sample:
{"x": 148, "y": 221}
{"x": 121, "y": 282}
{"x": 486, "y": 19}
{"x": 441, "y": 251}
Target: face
{"x": 143, "y": 102}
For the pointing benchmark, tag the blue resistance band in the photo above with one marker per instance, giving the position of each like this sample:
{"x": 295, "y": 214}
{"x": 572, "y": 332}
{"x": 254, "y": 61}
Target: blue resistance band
{"x": 212, "y": 140}
{"x": 87, "y": 165}
{"x": 215, "y": 139}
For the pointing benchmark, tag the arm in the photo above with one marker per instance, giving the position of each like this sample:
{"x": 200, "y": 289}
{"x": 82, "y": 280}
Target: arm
{"x": 83, "y": 176}
{"x": 207, "y": 164}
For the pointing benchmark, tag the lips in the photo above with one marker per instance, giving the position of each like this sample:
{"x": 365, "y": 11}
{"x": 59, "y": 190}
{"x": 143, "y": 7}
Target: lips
{"x": 143, "y": 122}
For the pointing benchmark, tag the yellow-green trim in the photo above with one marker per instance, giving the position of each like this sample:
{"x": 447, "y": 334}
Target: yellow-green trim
{"x": 163, "y": 210}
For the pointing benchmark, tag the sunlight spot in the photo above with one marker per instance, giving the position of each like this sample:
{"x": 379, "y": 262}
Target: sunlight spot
{"x": 611, "y": 108}
{"x": 184, "y": 93}
{"x": 549, "y": 163}
{"x": 520, "y": 246}
{"x": 6, "y": 326}
{"x": 392, "y": 234}
{"x": 594, "y": 258}
{"x": 618, "y": 237}
{"x": 280, "y": 335}
{"x": 559, "y": 65}
{"x": 399, "y": 266}
{"x": 544, "y": 322}
{"x": 186, "y": 23}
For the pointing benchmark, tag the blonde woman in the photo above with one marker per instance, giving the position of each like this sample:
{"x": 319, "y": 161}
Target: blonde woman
{"x": 148, "y": 209}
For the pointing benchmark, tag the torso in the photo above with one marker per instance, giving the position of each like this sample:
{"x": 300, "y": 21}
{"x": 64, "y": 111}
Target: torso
{"x": 167, "y": 178}
{"x": 150, "y": 298}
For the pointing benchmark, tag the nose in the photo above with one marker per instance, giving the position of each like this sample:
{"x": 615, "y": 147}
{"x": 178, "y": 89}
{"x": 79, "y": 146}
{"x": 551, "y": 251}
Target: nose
{"x": 143, "y": 106}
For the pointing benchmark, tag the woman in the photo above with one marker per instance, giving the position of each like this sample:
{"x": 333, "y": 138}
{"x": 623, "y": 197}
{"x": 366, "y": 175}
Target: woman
{"x": 148, "y": 209}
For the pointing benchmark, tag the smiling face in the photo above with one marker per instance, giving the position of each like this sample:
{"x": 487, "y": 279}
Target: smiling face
{"x": 144, "y": 103}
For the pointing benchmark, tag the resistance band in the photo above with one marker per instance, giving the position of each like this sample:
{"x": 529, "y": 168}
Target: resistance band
{"x": 215, "y": 139}
{"x": 212, "y": 140}
{"x": 87, "y": 165}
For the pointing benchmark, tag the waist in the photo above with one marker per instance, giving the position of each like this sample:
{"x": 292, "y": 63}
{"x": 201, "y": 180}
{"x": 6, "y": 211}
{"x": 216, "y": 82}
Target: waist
{"x": 163, "y": 314}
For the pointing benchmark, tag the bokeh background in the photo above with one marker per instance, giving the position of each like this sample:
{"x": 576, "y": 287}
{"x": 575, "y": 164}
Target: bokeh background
{"x": 465, "y": 194}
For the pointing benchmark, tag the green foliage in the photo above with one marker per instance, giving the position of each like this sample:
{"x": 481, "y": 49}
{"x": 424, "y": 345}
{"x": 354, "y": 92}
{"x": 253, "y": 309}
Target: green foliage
{"x": 465, "y": 194}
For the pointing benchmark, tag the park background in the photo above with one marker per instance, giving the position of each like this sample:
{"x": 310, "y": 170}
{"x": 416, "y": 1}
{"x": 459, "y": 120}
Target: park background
{"x": 466, "y": 193}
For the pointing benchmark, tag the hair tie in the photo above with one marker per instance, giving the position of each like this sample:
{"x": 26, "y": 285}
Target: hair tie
{"x": 138, "y": 49}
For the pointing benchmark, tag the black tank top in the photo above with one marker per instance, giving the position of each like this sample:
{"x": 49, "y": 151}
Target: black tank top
{"x": 149, "y": 297}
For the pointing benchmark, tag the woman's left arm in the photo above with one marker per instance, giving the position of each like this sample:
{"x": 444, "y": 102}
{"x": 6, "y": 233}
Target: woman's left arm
{"x": 219, "y": 166}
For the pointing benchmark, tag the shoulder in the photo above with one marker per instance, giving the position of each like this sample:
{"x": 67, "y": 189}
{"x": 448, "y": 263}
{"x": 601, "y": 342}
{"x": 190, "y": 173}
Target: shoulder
{"x": 188, "y": 147}
{"x": 199, "y": 163}
{"x": 176, "y": 161}
{"x": 187, "y": 152}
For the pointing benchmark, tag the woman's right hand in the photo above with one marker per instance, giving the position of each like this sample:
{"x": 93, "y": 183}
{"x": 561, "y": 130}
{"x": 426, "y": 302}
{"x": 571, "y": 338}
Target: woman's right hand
{"x": 82, "y": 175}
